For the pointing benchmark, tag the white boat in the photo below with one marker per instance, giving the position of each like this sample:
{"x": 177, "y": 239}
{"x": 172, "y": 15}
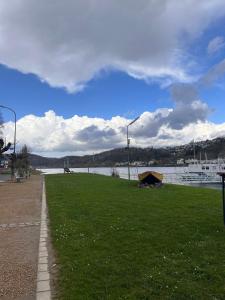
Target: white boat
{"x": 203, "y": 171}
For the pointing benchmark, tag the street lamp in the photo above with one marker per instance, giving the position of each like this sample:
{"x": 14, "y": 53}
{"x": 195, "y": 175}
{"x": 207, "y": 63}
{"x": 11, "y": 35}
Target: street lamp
{"x": 128, "y": 146}
{"x": 14, "y": 147}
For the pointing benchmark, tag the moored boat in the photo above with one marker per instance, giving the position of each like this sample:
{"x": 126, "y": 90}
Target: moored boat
{"x": 203, "y": 171}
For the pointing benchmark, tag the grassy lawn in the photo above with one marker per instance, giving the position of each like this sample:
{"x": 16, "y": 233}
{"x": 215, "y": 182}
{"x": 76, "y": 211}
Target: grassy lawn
{"x": 115, "y": 241}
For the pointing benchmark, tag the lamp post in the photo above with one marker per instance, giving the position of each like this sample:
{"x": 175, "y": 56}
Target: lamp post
{"x": 128, "y": 146}
{"x": 14, "y": 146}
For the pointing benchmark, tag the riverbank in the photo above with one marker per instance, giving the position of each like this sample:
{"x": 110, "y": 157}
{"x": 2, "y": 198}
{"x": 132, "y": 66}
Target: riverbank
{"x": 115, "y": 241}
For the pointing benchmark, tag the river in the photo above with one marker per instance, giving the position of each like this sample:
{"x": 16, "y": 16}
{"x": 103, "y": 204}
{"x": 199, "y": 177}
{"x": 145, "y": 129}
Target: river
{"x": 170, "y": 173}
{"x": 123, "y": 172}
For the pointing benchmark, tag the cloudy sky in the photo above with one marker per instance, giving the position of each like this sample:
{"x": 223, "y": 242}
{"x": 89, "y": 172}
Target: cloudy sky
{"x": 77, "y": 72}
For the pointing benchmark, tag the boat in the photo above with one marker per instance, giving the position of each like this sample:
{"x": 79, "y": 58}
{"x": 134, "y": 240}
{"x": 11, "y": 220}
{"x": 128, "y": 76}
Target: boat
{"x": 203, "y": 171}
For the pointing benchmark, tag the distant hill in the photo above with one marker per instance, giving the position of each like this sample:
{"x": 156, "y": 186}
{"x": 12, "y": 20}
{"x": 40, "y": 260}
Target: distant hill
{"x": 142, "y": 156}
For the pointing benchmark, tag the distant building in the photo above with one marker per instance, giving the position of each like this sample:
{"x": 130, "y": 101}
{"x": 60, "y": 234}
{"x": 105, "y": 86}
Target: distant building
{"x": 138, "y": 163}
{"x": 180, "y": 161}
{"x": 191, "y": 161}
{"x": 4, "y": 163}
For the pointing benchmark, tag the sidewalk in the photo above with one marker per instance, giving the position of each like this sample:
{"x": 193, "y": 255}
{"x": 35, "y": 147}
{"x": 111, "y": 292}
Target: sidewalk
{"x": 20, "y": 209}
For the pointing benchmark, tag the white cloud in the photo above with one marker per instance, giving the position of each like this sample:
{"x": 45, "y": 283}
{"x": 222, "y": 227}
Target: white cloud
{"x": 53, "y": 135}
{"x": 66, "y": 43}
{"x": 216, "y": 44}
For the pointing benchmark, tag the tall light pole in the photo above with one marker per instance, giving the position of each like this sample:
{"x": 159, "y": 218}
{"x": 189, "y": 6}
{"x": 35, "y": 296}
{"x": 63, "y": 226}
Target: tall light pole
{"x": 128, "y": 146}
{"x": 14, "y": 146}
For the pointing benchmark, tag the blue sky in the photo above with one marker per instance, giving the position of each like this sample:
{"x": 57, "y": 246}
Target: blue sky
{"x": 161, "y": 60}
{"x": 110, "y": 94}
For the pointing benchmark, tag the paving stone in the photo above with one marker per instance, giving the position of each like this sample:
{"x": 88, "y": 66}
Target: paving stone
{"x": 41, "y": 249}
{"x": 43, "y": 286}
{"x": 44, "y": 235}
{"x": 44, "y": 296}
{"x": 43, "y": 253}
{"x": 43, "y": 260}
{"x": 42, "y": 267}
{"x": 43, "y": 276}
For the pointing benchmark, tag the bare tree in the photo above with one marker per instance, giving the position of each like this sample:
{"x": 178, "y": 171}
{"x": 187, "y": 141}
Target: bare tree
{"x": 3, "y": 146}
{"x": 23, "y": 162}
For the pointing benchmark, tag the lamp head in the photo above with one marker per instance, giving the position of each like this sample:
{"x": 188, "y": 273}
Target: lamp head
{"x": 132, "y": 122}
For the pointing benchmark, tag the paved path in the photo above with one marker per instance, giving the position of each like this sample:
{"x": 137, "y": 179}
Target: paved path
{"x": 20, "y": 210}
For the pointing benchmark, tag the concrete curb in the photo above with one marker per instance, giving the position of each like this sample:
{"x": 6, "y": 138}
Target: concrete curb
{"x": 43, "y": 276}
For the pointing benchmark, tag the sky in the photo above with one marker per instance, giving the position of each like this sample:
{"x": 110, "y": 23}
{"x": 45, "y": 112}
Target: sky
{"x": 77, "y": 72}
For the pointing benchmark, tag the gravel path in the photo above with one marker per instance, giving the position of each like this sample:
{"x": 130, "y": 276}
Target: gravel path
{"x": 20, "y": 207}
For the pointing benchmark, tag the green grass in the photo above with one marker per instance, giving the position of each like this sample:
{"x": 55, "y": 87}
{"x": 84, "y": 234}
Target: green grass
{"x": 115, "y": 241}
